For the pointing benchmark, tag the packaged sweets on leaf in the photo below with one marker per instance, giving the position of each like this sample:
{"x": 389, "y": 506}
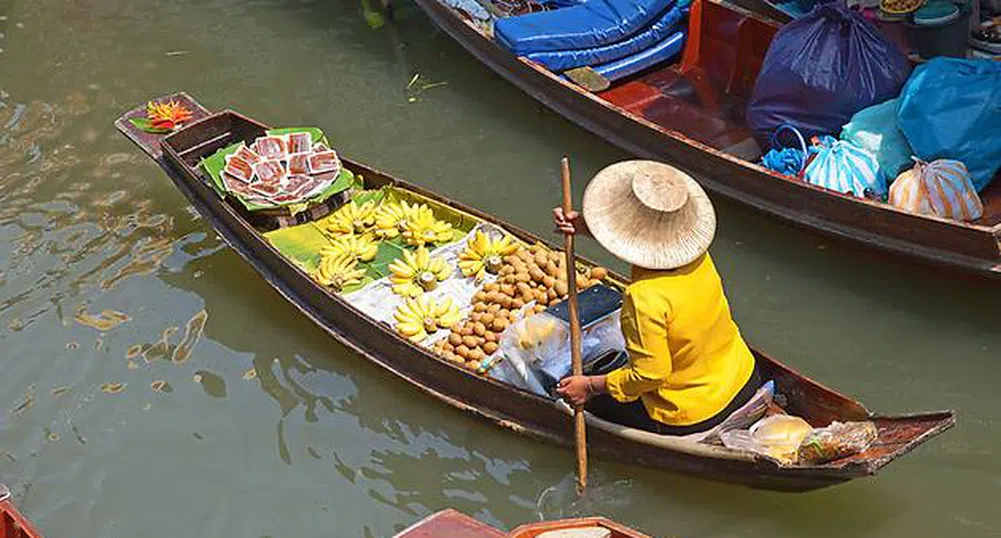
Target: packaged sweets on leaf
{"x": 839, "y": 440}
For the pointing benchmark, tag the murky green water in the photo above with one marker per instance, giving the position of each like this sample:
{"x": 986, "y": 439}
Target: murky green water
{"x": 215, "y": 409}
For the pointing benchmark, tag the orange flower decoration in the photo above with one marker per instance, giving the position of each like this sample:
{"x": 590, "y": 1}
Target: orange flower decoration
{"x": 167, "y": 115}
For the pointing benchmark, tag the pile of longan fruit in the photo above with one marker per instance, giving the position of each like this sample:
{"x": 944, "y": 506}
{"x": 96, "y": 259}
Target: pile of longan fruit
{"x": 534, "y": 274}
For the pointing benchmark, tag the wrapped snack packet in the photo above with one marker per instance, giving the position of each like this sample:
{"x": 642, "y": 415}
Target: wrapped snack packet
{"x": 299, "y": 142}
{"x": 839, "y": 440}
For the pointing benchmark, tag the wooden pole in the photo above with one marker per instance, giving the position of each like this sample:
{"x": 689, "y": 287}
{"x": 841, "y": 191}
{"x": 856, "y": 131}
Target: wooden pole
{"x": 580, "y": 437}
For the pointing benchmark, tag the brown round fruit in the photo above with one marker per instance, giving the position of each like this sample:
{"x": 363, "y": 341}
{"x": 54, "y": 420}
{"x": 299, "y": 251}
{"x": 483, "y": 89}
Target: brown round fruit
{"x": 490, "y": 348}
{"x": 561, "y": 287}
{"x": 479, "y": 329}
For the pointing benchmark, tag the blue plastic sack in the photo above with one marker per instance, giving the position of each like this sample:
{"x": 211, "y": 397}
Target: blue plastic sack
{"x": 788, "y": 161}
{"x": 875, "y": 130}
{"x": 951, "y": 109}
{"x": 843, "y": 167}
{"x": 820, "y": 70}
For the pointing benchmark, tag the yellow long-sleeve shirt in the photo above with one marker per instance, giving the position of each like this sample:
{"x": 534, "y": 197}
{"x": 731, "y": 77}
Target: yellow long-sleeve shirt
{"x": 687, "y": 359}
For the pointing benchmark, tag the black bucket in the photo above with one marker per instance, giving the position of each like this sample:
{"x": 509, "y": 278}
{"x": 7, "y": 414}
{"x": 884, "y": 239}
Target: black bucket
{"x": 946, "y": 39}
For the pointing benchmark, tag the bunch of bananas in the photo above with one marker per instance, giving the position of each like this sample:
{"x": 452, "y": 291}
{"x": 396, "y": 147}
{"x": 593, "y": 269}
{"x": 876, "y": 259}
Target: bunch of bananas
{"x": 417, "y": 272}
{"x": 352, "y": 218}
{"x": 391, "y": 218}
{"x": 338, "y": 271}
{"x": 358, "y": 247}
{"x": 419, "y": 318}
{"x": 483, "y": 254}
{"x": 422, "y": 228}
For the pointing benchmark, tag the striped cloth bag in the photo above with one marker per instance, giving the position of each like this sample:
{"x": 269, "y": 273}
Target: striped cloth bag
{"x": 841, "y": 166}
{"x": 941, "y": 188}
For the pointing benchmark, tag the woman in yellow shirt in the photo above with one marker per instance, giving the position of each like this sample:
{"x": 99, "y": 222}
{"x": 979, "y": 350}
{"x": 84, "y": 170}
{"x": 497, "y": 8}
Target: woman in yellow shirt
{"x": 688, "y": 366}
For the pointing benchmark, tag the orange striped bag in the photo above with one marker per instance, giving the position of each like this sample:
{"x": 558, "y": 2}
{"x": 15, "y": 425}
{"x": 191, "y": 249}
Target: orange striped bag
{"x": 942, "y": 188}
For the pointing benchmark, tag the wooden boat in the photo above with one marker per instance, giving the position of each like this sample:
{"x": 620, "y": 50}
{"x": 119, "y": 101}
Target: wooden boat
{"x": 449, "y": 523}
{"x": 691, "y": 114}
{"x": 615, "y": 530}
{"x": 12, "y": 523}
{"x": 521, "y": 411}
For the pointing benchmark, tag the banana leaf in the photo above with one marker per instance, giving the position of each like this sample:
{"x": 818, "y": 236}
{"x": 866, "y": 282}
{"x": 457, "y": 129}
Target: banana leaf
{"x": 302, "y": 245}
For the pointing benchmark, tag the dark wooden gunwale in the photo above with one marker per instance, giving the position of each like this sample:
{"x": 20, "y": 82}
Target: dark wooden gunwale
{"x": 507, "y": 406}
{"x": 967, "y": 247}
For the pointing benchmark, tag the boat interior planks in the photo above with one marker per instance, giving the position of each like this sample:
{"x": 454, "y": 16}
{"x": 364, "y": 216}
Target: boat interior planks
{"x": 705, "y": 94}
{"x": 691, "y": 113}
{"x": 521, "y": 411}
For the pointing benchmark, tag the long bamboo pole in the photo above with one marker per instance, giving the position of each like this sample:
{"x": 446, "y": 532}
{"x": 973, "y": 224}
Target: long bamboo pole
{"x": 580, "y": 437}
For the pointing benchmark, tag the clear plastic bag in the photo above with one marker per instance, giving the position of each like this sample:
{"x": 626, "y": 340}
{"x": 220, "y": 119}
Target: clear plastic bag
{"x": 839, "y": 440}
{"x": 536, "y": 349}
{"x": 777, "y": 437}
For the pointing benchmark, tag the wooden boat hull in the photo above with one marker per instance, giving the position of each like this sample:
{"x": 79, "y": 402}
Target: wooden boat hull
{"x": 501, "y": 404}
{"x": 12, "y": 523}
{"x": 972, "y": 248}
{"x": 450, "y": 523}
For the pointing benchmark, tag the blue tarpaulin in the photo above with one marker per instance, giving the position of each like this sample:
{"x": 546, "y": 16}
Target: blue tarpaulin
{"x": 669, "y": 23}
{"x": 595, "y": 23}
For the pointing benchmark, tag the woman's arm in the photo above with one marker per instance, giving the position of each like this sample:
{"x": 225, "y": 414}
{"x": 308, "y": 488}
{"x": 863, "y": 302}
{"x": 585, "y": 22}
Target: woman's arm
{"x": 644, "y": 328}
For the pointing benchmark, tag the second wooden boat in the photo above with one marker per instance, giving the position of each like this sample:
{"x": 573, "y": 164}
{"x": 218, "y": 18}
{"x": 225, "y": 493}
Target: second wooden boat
{"x": 521, "y": 411}
{"x": 12, "y": 523}
{"x": 449, "y": 523}
{"x": 691, "y": 114}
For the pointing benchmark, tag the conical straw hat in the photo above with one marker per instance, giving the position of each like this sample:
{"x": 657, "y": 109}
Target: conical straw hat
{"x": 649, "y": 214}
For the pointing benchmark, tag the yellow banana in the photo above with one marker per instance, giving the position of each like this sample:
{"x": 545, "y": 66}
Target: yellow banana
{"x": 419, "y": 318}
{"x": 391, "y": 218}
{"x": 422, "y": 228}
{"x": 338, "y": 271}
{"x": 417, "y": 272}
{"x": 351, "y": 218}
{"x": 360, "y": 247}
{"x": 483, "y": 254}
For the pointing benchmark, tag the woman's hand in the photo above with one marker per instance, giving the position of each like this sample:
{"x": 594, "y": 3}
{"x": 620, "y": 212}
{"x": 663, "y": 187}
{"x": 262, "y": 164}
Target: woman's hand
{"x": 569, "y": 223}
{"x": 576, "y": 389}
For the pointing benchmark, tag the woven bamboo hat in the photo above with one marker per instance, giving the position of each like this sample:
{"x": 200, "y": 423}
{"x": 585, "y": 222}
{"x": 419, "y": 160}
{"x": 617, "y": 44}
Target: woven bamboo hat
{"x": 649, "y": 214}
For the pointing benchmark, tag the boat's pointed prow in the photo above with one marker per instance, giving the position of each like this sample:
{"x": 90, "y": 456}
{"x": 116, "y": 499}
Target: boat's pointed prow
{"x": 150, "y": 141}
